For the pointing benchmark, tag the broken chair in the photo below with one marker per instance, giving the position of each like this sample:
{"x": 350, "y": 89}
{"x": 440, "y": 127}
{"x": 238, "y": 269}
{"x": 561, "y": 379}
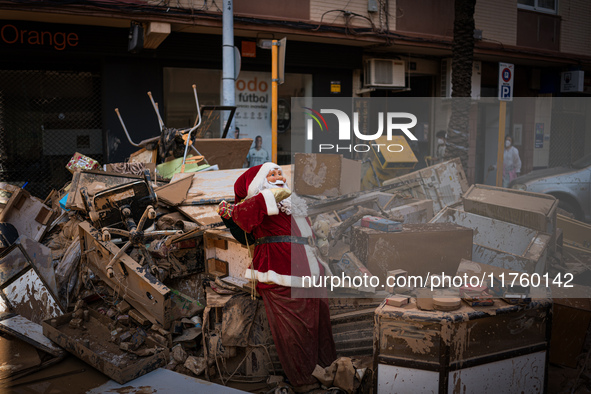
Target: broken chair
{"x": 172, "y": 139}
{"x": 124, "y": 211}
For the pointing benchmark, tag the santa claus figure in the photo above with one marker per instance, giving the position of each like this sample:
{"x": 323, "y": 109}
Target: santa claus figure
{"x": 284, "y": 253}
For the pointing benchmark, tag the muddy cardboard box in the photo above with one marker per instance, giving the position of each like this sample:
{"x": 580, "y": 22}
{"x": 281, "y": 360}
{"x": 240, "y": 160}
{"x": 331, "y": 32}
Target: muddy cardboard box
{"x": 417, "y": 249}
{"x": 93, "y": 346}
{"x": 330, "y": 175}
{"x": 469, "y": 350}
{"x": 533, "y": 210}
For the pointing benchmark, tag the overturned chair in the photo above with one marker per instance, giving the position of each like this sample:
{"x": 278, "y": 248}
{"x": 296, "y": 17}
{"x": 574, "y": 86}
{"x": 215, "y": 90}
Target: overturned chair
{"x": 124, "y": 211}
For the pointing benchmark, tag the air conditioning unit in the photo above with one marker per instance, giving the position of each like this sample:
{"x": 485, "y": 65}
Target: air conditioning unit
{"x": 384, "y": 73}
{"x": 445, "y": 88}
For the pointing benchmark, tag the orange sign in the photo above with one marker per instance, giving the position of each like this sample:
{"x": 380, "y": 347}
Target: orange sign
{"x": 10, "y": 34}
{"x": 249, "y": 49}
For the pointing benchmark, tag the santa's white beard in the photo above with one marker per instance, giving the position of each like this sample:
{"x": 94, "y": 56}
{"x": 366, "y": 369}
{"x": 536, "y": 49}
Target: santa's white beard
{"x": 298, "y": 206}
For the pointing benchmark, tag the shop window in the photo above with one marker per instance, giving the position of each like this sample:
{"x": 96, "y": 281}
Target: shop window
{"x": 549, "y": 6}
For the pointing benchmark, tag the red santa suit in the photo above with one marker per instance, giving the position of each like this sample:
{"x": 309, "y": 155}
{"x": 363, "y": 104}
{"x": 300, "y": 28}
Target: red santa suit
{"x": 300, "y": 327}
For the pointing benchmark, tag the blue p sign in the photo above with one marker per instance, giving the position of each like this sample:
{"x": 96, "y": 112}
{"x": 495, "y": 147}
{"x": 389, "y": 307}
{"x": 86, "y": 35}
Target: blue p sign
{"x": 506, "y": 92}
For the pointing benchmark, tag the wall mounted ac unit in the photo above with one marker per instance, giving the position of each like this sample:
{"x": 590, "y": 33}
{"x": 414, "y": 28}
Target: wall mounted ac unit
{"x": 384, "y": 73}
{"x": 445, "y": 88}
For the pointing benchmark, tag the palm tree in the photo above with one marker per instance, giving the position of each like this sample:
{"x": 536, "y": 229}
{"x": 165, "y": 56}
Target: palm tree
{"x": 461, "y": 79}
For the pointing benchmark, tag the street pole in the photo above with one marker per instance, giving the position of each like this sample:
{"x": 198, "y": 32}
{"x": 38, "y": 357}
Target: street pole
{"x": 274, "y": 85}
{"x": 501, "y": 145}
{"x": 228, "y": 73}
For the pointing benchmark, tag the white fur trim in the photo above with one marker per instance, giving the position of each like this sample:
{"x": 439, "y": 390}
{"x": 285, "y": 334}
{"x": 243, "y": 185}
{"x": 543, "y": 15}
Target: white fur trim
{"x": 255, "y": 184}
{"x": 273, "y": 277}
{"x": 272, "y": 208}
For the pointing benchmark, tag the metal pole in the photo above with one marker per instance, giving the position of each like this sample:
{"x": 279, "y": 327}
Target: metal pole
{"x": 274, "y": 85}
{"x": 3, "y": 142}
{"x": 501, "y": 146}
{"x": 228, "y": 80}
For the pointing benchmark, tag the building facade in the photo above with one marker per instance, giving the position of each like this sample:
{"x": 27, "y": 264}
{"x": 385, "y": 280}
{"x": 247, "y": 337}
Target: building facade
{"x": 66, "y": 67}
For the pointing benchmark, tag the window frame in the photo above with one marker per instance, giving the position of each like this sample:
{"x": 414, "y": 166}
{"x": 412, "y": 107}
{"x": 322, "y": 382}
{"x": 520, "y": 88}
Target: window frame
{"x": 536, "y": 8}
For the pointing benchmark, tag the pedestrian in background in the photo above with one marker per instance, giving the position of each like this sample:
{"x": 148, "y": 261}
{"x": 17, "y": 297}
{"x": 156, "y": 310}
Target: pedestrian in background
{"x": 511, "y": 162}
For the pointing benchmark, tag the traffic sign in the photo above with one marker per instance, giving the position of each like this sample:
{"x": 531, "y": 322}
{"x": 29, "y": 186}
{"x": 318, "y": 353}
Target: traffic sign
{"x": 506, "y": 76}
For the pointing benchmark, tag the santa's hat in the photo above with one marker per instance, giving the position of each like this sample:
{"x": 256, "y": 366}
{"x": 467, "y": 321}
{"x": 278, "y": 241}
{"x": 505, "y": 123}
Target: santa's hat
{"x": 251, "y": 181}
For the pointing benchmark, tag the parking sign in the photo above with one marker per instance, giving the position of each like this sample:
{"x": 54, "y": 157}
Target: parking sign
{"x": 506, "y": 77}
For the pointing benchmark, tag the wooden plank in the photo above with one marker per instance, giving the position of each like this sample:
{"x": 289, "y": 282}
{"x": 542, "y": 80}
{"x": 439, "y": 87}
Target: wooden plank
{"x": 203, "y": 215}
{"x": 210, "y": 186}
{"x": 227, "y": 153}
{"x": 29, "y": 332}
{"x": 134, "y": 283}
{"x": 215, "y": 243}
{"x": 175, "y": 192}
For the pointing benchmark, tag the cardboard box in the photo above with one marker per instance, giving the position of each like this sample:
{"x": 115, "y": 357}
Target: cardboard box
{"x": 82, "y": 162}
{"x": 419, "y": 249}
{"x": 532, "y": 210}
{"x": 321, "y": 174}
{"x": 397, "y": 300}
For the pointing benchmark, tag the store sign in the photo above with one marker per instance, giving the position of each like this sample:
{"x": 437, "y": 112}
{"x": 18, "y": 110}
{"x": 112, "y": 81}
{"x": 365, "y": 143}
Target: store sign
{"x": 13, "y": 35}
{"x": 253, "y": 102}
{"x": 572, "y": 81}
{"x": 249, "y": 49}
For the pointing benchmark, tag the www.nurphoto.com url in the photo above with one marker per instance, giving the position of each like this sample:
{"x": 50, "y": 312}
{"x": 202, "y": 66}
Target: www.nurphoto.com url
{"x": 511, "y": 279}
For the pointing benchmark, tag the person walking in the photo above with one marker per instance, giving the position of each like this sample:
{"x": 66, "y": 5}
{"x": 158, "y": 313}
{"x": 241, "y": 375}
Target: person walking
{"x": 511, "y": 162}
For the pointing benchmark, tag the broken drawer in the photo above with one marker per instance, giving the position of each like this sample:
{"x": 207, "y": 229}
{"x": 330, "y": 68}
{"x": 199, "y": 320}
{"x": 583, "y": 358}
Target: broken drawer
{"x": 93, "y": 347}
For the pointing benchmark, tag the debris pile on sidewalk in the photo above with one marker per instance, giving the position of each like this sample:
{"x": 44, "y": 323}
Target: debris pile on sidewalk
{"x": 132, "y": 271}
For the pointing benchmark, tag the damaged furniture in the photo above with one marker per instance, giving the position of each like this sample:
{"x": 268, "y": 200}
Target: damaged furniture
{"x": 443, "y": 183}
{"x": 533, "y": 210}
{"x": 92, "y": 344}
{"x": 472, "y": 350}
{"x": 138, "y": 286}
{"x": 25, "y": 287}
{"x": 28, "y": 214}
{"x": 501, "y": 243}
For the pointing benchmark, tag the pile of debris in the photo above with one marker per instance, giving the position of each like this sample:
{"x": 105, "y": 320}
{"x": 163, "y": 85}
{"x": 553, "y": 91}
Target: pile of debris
{"x": 132, "y": 271}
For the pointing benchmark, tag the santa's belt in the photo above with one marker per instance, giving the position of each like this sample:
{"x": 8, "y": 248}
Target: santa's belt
{"x": 285, "y": 238}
